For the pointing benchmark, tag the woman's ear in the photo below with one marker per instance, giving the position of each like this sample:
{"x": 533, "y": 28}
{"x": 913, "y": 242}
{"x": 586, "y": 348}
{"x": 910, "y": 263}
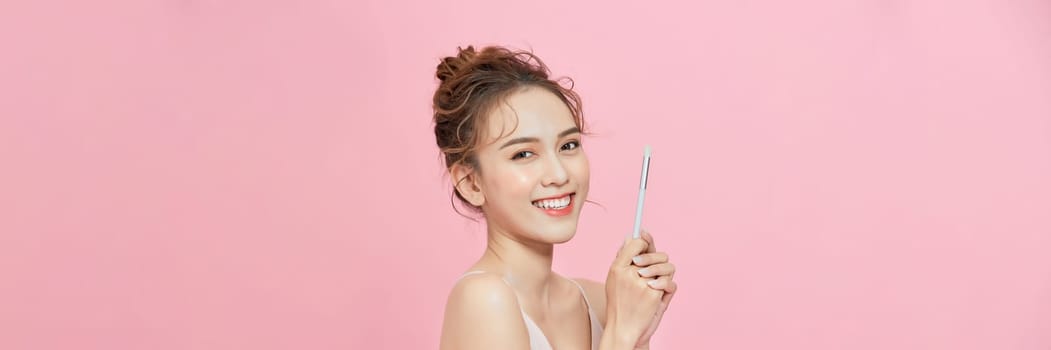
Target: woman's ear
{"x": 465, "y": 180}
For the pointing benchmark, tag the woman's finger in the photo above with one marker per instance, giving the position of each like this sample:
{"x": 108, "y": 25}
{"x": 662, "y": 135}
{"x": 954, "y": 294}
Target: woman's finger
{"x": 661, "y": 283}
{"x": 648, "y": 259}
{"x": 662, "y": 269}
{"x": 645, "y": 235}
{"x": 631, "y": 248}
{"x": 669, "y": 291}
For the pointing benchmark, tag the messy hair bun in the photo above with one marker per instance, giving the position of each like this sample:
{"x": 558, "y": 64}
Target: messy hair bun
{"x": 450, "y": 65}
{"x": 471, "y": 84}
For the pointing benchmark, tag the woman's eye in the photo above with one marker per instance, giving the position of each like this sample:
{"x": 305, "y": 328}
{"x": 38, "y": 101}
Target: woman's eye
{"x": 571, "y": 145}
{"x": 522, "y": 154}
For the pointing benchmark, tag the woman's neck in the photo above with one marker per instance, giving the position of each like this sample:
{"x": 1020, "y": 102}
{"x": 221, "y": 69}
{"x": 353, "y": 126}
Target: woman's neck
{"x": 526, "y": 265}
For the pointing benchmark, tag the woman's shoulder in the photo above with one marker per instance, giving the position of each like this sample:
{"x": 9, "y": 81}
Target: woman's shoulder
{"x": 483, "y": 300}
{"x": 487, "y": 286}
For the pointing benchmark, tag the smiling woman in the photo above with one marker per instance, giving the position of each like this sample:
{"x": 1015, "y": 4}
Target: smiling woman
{"x": 511, "y": 137}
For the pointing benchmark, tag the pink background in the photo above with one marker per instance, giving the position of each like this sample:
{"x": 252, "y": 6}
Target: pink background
{"x": 263, "y": 175}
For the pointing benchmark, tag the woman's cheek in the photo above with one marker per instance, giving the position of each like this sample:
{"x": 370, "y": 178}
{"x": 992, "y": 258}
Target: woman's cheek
{"x": 582, "y": 169}
{"x": 517, "y": 180}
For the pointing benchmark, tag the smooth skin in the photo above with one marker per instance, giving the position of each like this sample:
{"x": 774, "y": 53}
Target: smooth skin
{"x": 532, "y": 150}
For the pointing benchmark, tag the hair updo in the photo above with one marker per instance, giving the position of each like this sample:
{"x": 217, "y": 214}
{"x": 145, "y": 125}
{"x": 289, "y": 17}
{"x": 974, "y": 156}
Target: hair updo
{"x": 472, "y": 84}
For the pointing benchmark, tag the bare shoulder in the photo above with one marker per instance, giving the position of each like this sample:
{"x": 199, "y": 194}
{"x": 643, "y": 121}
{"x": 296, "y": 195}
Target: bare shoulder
{"x": 596, "y": 293}
{"x": 482, "y": 312}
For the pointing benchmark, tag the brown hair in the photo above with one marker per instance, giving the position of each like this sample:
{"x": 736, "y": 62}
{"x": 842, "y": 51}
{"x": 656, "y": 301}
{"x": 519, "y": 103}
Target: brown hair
{"x": 472, "y": 84}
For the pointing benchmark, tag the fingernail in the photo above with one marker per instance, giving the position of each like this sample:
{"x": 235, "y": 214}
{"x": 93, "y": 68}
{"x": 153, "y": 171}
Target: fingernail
{"x": 637, "y": 260}
{"x": 652, "y": 283}
{"x": 644, "y": 272}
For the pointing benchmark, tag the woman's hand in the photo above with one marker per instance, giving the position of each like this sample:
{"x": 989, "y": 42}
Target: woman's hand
{"x": 655, "y": 265}
{"x": 636, "y": 303}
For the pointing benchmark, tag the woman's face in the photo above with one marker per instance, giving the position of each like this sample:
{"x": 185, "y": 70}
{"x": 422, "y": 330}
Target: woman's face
{"x": 534, "y": 179}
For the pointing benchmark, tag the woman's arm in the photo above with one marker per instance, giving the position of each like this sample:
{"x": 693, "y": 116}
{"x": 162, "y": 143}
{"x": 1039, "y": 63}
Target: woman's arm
{"x": 483, "y": 313}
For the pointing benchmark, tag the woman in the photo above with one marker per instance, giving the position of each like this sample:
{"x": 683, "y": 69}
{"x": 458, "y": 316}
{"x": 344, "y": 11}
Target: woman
{"x": 511, "y": 138}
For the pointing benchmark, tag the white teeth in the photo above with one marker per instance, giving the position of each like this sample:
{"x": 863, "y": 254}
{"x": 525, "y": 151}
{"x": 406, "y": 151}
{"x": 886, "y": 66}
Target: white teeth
{"x": 552, "y": 203}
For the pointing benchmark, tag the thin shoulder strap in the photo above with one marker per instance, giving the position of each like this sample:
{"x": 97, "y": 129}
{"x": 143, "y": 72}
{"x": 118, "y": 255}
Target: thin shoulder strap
{"x": 596, "y": 326}
{"x": 472, "y": 272}
{"x": 475, "y": 272}
{"x": 586, "y": 301}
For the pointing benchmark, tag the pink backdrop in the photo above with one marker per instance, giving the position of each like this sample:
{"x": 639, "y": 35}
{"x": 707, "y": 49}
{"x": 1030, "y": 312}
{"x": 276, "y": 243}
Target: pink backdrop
{"x": 263, "y": 174}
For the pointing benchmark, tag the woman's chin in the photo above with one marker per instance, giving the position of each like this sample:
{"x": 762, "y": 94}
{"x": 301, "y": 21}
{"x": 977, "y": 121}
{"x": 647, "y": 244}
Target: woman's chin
{"x": 561, "y": 239}
{"x": 559, "y": 235}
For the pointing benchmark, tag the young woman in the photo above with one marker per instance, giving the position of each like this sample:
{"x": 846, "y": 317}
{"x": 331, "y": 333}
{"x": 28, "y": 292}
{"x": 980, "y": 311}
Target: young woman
{"x": 511, "y": 138}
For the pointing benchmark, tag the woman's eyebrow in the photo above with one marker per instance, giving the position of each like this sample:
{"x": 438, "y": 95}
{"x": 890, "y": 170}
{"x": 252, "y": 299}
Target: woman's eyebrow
{"x": 533, "y": 139}
{"x": 568, "y": 131}
{"x": 519, "y": 140}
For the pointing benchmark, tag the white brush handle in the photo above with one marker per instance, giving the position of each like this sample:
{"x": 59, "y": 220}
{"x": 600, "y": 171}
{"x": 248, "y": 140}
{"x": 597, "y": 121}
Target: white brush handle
{"x": 642, "y": 192}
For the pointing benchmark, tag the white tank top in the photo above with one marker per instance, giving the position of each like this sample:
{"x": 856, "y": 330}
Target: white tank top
{"x": 537, "y": 340}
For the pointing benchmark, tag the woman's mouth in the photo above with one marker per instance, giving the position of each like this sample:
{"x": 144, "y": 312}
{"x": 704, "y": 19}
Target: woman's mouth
{"x": 560, "y": 206}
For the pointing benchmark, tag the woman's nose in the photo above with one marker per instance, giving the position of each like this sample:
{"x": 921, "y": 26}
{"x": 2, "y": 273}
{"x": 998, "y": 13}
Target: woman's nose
{"x": 555, "y": 173}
